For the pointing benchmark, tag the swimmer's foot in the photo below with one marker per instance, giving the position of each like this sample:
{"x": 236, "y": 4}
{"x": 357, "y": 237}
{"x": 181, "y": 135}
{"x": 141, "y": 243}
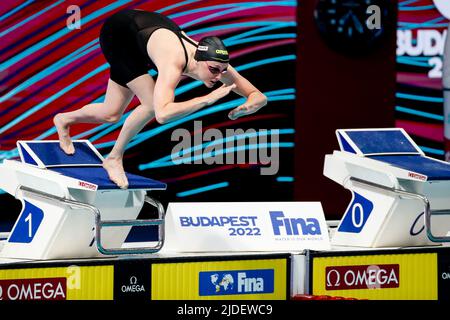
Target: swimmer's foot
{"x": 63, "y": 134}
{"x": 116, "y": 173}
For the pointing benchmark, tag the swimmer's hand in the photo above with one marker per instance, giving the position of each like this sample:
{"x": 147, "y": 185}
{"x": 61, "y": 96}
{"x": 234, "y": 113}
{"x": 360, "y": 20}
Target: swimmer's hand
{"x": 255, "y": 101}
{"x": 219, "y": 93}
{"x": 240, "y": 111}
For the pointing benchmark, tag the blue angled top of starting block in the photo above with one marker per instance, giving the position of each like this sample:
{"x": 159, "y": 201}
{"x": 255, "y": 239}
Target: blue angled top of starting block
{"x": 99, "y": 176}
{"x": 85, "y": 164}
{"x": 433, "y": 169}
{"x": 378, "y": 142}
{"x": 50, "y": 154}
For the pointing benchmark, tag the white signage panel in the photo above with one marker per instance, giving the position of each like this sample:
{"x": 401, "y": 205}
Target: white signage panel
{"x": 245, "y": 226}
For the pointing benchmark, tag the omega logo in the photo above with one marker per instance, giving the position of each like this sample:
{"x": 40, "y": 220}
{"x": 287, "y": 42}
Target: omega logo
{"x": 133, "y": 286}
{"x": 362, "y": 277}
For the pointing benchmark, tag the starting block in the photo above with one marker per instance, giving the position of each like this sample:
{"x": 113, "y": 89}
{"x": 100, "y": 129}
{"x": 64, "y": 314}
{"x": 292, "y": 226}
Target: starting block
{"x": 70, "y": 208}
{"x": 400, "y": 197}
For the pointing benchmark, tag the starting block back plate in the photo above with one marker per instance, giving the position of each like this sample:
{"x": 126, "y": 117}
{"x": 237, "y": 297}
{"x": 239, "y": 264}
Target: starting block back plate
{"x": 377, "y": 141}
{"x": 47, "y": 154}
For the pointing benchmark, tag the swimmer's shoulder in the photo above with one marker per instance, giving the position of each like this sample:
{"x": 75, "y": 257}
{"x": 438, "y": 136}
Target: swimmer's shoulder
{"x": 164, "y": 47}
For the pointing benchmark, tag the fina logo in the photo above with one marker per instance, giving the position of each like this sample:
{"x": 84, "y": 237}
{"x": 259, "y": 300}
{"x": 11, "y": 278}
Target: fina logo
{"x": 293, "y": 226}
{"x": 444, "y": 7}
{"x": 226, "y": 283}
{"x": 236, "y": 282}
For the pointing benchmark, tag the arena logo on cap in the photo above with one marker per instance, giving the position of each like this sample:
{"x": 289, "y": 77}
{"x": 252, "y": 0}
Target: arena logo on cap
{"x": 219, "y": 51}
{"x": 444, "y": 7}
{"x": 202, "y": 48}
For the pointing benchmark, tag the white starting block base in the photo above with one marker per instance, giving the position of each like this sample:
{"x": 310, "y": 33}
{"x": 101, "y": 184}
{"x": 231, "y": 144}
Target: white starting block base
{"x": 67, "y": 232}
{"x": 400, "y": 197}
{"x": 70, "y": 208}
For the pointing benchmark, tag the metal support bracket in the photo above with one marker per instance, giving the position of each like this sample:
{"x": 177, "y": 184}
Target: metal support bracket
{"x": 99, "y": 224}
{"x": 427, "y": 209}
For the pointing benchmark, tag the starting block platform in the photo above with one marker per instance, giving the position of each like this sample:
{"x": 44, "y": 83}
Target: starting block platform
{"x": 70, "y": 208}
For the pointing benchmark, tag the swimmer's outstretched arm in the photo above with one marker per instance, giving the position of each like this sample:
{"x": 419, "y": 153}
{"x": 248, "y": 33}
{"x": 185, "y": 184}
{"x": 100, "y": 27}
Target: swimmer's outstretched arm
{"x": 164, "y": 95}
{"x": 255, "y": 98}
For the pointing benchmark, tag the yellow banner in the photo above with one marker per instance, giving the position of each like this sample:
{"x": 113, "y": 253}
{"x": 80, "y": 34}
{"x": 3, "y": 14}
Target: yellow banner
{"x": 213, "y": 280}
{"x": 378, "y": 277}
{"x": 59, "y": 283}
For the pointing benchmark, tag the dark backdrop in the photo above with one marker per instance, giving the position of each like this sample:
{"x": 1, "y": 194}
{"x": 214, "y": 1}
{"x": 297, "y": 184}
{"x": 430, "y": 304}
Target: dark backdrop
{"x": 336, "y": 91}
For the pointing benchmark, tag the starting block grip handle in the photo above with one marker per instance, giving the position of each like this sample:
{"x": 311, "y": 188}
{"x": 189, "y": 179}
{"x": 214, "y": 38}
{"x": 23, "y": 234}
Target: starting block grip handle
{"x": 427, "y": 208}
{"x": 113, "y": 223}
{"x": 136, "y": 223}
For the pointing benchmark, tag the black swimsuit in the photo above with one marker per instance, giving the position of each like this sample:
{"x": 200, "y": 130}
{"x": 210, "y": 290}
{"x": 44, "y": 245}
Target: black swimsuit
{"x": 124, "y": 37}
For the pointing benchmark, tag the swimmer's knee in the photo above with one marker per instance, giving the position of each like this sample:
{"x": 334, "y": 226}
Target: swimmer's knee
{"x": 112, "y": 118}
{"x": 148, "y": 113}
{"x": 160, "y": 118}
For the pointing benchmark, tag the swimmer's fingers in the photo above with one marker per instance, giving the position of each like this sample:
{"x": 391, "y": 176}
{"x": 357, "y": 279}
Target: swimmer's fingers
{"x": 240, "y": 111}
{"x": 220, "y": 92}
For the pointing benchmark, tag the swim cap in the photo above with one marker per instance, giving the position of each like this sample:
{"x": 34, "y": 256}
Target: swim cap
{"x": 211, "y": 49}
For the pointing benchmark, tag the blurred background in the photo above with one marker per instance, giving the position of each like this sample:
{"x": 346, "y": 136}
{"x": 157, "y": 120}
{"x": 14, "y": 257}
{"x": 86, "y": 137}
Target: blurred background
{"x": 47, "y": 67}
{"x": 323, "y": 64}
